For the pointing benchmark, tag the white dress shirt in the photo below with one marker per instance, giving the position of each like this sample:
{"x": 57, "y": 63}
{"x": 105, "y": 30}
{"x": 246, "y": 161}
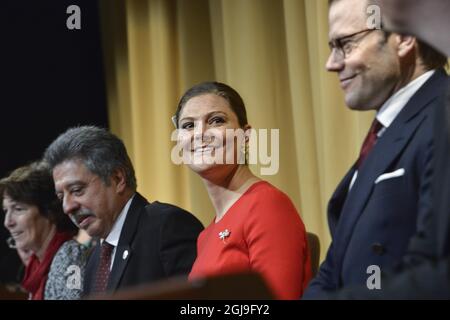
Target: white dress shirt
{"x": 114, "y": 235}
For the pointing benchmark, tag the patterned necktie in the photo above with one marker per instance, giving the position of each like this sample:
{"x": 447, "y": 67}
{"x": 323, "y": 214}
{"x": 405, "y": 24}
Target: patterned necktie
{"x": 102, "y": 274}
{"x": 369, "y": 142}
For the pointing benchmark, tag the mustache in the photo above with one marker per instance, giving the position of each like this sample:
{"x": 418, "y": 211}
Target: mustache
{"x": 80, "y": 215}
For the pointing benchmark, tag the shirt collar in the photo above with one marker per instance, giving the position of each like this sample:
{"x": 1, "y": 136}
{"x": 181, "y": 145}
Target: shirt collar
{"x": 395, "y": 104}
{"x": 114, "y": 235}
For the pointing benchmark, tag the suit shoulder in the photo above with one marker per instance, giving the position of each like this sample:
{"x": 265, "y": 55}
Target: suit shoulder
{"x": 166, "y": 211}
{"x": 165, "y": 208}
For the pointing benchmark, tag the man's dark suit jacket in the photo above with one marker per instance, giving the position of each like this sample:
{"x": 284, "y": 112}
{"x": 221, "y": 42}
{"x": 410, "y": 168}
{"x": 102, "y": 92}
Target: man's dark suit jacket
{"x": 161, "y": 242}
{"x": 373, "y": 222}
{"x": 425, "y": 270}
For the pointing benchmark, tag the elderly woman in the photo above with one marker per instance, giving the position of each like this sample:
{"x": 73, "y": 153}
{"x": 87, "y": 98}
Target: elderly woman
{"x": 37, "y": 224}
{"x": 256, "y": 226}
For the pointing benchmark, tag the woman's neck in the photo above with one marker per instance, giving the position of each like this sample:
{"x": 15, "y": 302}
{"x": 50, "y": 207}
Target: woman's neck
{"x": 225, "y": 190}
{"x": 40, "y": 253}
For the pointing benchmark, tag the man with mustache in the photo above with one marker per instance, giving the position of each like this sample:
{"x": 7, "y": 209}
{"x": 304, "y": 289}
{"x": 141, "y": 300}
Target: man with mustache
{"x": 378, "y": 205}
{"x": 140, "y": 242}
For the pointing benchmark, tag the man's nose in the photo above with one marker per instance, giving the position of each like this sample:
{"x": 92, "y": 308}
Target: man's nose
{"x": 69, "y": 204}
{"x": 334, "y": 63}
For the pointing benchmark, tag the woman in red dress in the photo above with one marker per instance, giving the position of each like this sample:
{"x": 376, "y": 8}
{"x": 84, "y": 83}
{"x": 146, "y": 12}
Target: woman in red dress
{"x": 256, "y": 226}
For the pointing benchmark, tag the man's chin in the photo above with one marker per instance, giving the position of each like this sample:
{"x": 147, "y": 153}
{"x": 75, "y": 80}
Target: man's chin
{"x": 357, "y": 105}
{"x": 354, "y": 106}
{"x": 93, "y": 234}
{"x": 94, "y": 230}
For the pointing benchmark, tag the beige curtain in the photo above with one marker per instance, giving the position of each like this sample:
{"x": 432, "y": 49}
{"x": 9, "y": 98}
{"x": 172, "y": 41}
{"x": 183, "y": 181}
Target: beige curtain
{"x": 272, "y": 51}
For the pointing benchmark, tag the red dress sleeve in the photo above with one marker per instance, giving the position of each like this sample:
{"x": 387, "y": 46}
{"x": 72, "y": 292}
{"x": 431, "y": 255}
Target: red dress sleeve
{"x": 276, "y": 240}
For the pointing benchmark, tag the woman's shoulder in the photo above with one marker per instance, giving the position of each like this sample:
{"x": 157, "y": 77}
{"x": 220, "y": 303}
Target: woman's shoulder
{"x": 264, "y": 192}
{"x": 266, "y": 200}
{"x": 72, "y": 246}
{"x": 66, "y": 272}
{"x": 70, "y": 251}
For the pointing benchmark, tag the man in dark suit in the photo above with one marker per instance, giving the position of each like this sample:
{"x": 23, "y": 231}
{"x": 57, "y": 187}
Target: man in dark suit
{"x": 140, "y": 242}
{"x": 377, "y": 206}
{"x": 424, "y": 272}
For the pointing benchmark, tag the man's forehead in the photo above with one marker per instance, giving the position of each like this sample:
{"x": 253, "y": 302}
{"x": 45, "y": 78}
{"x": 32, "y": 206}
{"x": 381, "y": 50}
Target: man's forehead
{"x": 347, "y": 17}
{"x": 70, "y": 171}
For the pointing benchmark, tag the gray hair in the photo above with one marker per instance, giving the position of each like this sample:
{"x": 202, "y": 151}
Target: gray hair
{"x": 101, "y": 152}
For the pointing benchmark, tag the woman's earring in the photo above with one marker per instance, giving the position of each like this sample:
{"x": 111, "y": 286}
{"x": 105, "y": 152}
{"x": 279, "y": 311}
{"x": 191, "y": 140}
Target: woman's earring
{"x": 243, "y": 156}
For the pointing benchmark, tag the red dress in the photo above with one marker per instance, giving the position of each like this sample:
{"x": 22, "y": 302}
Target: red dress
{"x": 261, "y": 232}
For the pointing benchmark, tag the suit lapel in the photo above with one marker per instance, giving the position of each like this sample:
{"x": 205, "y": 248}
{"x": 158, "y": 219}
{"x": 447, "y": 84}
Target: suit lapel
{"x": 124, "y": 247}
{"x": 441, "y": 179}
{"x": 386, "y": 150}
{"x": 91, "y": 269}
{"x": 338, "y": 199}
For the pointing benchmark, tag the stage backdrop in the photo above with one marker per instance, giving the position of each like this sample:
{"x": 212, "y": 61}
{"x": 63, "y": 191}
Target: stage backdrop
{"x": 272, "y": 51}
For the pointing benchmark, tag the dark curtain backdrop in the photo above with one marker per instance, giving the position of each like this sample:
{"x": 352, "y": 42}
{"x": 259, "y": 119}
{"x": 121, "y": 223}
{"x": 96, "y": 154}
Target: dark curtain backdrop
{"x": 52, "y": 79}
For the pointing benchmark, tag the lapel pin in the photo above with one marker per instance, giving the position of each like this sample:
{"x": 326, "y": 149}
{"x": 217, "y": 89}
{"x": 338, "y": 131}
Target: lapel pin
{"x": 125, "y": 254}
{"x": 224, "y": 234}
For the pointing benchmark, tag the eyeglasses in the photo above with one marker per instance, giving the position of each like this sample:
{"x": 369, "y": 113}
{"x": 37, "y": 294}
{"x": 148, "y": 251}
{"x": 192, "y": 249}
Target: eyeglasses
{"x": 344, "y": 46}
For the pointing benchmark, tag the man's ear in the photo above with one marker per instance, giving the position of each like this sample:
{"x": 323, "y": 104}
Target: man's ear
{"x": 406, "y": 45}
{"x": 119, "y": 179}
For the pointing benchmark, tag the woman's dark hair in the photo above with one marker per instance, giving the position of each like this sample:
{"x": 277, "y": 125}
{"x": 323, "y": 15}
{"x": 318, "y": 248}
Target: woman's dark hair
{"x": 219, "y": 89}
{"x": 33, "y": 185}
